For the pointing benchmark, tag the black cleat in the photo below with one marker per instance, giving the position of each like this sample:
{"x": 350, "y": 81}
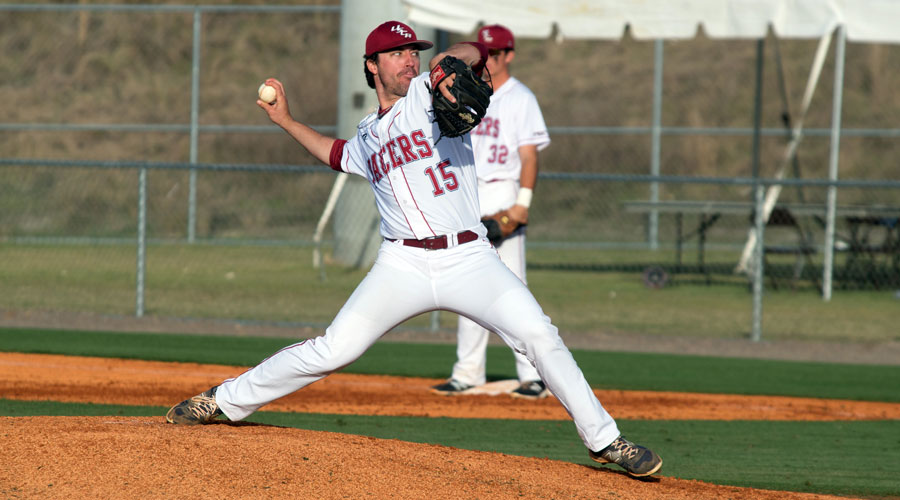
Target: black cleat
{"x": 637, "y": 460}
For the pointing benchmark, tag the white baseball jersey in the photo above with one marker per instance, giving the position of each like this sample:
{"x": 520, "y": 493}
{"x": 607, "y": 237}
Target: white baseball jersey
{"x": 419, "y": 187}
{"x": 513, "y": 119}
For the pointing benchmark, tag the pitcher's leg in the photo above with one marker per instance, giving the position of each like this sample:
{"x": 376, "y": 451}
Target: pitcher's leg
{"x": 499, "y": 301}
{"x": 298, "y": 365}
{"x": 471, "y": 353}
{"x": 531, "y": 332}
{"x": 393, "y": 291}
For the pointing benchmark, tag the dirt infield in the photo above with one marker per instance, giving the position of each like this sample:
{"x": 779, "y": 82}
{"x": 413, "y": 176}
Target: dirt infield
{"x": 113, "y": 457}
{"x": 154, "y": 383}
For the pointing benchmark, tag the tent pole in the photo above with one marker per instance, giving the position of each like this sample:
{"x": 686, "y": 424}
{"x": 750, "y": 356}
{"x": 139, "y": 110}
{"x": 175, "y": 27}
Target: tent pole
{"x": 837, "y": 102}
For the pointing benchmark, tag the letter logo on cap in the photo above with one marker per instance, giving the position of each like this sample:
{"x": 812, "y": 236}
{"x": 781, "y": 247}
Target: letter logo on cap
{"x": 486, "y": 34}
{"x": 400, "y": 31}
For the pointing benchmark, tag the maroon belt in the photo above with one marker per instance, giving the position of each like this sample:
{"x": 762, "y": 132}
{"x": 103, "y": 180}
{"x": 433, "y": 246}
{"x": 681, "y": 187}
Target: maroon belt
{"x": 439, "y": 242}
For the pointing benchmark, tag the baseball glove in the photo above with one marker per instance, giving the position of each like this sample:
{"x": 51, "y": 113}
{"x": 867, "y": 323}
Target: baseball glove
{"x": 499, "y": 226}
{"x": 472, "y": 98}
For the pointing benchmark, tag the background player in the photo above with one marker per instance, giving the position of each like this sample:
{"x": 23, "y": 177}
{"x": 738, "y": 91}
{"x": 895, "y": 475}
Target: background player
{"x": 506, "y": 146}
{"x": 434, "y": 254}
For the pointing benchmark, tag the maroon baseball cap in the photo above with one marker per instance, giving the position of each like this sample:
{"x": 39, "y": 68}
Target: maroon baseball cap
{"x": 391, "y": 35}
{"x": 496, "y": 37}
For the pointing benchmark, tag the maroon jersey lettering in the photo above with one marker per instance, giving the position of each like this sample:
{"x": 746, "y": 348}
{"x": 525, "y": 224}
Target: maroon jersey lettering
{"x": 418, "y": 138}
{"x": 406, "y": 149}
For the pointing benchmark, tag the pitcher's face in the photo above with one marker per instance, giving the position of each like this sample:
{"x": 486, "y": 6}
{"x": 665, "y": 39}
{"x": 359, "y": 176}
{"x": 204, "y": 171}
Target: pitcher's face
{"x": 396, "y": 68}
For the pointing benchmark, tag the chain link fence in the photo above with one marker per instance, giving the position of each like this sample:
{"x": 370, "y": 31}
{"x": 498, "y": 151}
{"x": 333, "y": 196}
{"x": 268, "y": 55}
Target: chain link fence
{"x": 108, "y": 128}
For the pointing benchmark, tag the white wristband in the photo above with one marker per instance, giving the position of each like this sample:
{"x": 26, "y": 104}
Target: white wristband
{"x": 524, "y": 198}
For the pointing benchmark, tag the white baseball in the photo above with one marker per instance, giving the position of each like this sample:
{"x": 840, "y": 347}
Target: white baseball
{"x": 267, "y": 93}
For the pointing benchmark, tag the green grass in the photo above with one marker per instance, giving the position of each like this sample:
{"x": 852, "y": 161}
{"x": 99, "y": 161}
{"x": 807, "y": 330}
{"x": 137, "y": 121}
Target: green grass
{"x": 586, "y": 289}
{"x": 844, "y": 458}
{"x": 278, "y": 284}
{"x": 634, "y": 371}
{"x": 848, "y": 458}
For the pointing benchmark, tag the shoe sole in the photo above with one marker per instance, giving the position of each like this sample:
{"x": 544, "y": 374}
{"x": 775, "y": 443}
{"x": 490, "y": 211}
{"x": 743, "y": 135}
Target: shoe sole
{"x": 633, "y": 474}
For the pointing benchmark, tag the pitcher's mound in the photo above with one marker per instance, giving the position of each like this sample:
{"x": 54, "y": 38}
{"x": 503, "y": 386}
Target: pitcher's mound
{"x": 76, "y": 458}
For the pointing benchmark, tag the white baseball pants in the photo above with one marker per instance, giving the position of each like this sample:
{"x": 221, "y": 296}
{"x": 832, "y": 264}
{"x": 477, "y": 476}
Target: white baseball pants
{"x": 468, "y": 279}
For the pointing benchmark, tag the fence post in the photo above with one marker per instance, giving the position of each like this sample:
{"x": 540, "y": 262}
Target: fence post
{"x": 141, "y": 242}
{"x": 195, "y": 106}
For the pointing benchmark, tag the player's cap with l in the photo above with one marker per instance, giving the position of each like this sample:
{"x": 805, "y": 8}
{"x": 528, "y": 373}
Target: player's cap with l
{"x": 391, "y": 35}
{"x": 496, "y": 37}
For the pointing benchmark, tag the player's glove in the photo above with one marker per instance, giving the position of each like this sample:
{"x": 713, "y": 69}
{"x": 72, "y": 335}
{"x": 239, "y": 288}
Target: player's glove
{"x": 499, "y": 226}
{"x": 472, "y": 98}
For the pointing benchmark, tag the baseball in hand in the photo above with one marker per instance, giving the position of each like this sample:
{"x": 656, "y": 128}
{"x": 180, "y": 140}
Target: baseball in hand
{"x": 267, "y": 93}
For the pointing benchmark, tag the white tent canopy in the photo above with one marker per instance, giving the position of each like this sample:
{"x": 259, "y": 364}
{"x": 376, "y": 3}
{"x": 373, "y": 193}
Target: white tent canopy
{"x": 868, "y": 21}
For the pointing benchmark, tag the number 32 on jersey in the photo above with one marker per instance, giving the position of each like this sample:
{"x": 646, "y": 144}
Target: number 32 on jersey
{"x": 490, "y": 127}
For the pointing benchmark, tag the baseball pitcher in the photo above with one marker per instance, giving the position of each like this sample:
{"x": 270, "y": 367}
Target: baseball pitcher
{"x": 417, "y": 158}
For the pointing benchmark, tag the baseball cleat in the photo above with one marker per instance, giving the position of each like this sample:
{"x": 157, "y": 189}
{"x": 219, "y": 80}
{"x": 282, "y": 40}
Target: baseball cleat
{"x": 531, "y": 390}
{"x": 451, "y": 387}
{"x": 637, "y": 460}
{"x": 200, "y": 409}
